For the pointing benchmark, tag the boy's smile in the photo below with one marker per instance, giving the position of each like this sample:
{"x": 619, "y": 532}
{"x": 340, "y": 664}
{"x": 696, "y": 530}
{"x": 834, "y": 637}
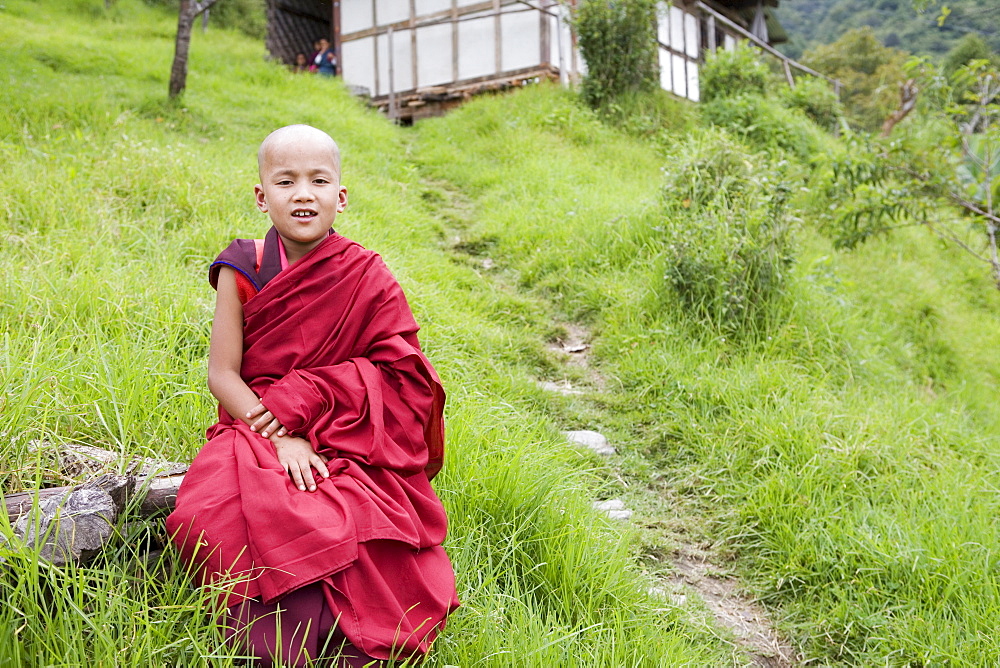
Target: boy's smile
{"x": 300, "y": 187}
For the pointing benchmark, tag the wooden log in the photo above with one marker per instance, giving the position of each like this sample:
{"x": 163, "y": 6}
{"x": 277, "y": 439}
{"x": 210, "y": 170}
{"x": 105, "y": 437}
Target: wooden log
{"x": 72, "y": 523}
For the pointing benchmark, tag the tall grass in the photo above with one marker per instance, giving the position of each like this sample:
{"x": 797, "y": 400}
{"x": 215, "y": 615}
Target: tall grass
{"x": 842, "y": 459}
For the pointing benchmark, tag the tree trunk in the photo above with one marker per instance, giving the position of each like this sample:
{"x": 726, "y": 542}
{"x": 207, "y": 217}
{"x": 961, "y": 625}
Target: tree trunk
{"x": 186, "y": 15}
{"x": 907, "y": 102}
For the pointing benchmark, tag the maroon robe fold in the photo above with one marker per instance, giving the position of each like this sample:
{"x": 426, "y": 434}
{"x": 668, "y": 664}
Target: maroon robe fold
{"x": 330, "y": 345}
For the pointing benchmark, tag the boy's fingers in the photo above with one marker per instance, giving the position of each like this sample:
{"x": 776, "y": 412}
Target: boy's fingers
{"x": 293, "y": 470}
{"x": 262, "y": 421}
{"x": 320, "y": 466}
{"x": 271, "y": 427}
{"x": 308, "y": 478}
{"x": 255, "y": 411}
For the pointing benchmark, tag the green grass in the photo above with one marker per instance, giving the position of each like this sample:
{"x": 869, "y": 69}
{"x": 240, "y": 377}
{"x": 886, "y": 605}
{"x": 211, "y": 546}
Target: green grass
{"x": 840, "y": 457}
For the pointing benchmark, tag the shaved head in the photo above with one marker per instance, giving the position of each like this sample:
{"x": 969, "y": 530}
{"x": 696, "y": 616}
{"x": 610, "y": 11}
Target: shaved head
{"x": 292, "y": 137}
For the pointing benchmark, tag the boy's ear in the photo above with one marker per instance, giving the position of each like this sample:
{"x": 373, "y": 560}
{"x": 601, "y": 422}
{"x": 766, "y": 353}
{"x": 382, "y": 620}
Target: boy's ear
{"x": 261, "y": 200}
{"x": 342, "y": 201}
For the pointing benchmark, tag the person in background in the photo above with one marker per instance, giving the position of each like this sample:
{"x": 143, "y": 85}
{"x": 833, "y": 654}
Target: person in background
{"x": 326, "y": 59}
{"x": 301, "y": 64}
{"x": 312, "y": 56}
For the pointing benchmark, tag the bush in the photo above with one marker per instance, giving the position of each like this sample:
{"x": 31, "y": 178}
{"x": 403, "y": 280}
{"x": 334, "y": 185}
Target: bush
{"x": 969, "y": 48}
{"x": 247, "y": 16}
{"x": 618, "y": 41}
{"x": 650, "y": 114}
{"x": 765, "y": 124}
{"x": 732, "y": 73}
{"x": 817, "y": 99}
{"x": 728, "y": 240}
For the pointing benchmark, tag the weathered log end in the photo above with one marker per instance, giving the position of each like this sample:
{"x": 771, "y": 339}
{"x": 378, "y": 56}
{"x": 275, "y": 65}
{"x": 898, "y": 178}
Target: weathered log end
{"x": 74, "y": 525}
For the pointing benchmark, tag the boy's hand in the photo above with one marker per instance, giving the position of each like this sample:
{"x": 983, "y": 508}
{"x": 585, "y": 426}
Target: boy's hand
{"x": 261, "y": 420}
{"x": 297, "y": 457}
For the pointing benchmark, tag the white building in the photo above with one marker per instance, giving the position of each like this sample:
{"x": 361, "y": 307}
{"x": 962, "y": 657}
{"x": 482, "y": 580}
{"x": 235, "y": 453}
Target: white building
{"x": 418, "y": 57}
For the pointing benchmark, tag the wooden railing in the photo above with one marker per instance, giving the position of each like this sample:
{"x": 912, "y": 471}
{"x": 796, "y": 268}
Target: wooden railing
{"x": 787, "y": 63}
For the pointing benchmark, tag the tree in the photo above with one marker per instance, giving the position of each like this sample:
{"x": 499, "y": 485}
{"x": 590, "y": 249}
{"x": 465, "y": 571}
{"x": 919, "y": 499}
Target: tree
{"x": 189, "y": 11}
{"x": 887, "y": 182}
{"x": 971, "y": 47}
{"x": 869, "y": 71}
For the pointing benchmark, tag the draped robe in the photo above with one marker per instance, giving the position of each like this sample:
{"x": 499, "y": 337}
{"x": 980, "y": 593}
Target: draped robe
{"x": 330, "y": 346}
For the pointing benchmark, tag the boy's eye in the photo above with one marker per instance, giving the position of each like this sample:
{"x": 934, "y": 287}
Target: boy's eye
{"x": 320, "y": 181}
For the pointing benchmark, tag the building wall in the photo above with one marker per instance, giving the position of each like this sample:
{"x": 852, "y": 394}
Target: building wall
{"x": 683, "y": 36}
{"x": 445, "y": 42}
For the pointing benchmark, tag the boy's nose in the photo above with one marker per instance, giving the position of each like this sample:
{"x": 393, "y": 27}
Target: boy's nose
{"x": 303, "y": 193}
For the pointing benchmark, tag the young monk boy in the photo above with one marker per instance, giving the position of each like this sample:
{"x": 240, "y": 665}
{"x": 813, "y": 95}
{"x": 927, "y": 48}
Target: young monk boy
{"x": 311, "y": 505}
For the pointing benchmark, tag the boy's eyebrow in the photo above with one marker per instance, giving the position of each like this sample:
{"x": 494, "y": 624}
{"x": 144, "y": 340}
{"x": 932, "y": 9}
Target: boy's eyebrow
{"x": 282, "y": 171}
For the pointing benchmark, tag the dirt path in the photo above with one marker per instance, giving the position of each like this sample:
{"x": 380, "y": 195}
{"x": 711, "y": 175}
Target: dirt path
{"x": 692, "y": 571}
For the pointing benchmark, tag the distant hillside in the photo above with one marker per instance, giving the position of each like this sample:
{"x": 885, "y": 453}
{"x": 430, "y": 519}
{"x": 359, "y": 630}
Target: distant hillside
{"x": 897, "y": 24}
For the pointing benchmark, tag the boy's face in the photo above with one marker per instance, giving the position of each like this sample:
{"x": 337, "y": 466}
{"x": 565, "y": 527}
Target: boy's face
{"x": 300, "y": 190}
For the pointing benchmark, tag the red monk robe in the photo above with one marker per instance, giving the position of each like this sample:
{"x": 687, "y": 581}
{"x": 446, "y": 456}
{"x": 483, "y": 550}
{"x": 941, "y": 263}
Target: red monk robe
{"x": 330, "y": 346}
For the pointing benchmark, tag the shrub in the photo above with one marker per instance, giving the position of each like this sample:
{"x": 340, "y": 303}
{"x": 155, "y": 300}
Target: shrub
{"x": 817, "y": 99}
{"x": 728, "y": 241}
{"x": 247, "y": 16}
{"x": 650, "y": 114}
{"x": 730, "y": 73}
{"x": 765, "y": 124}
{"x": 618, "y": 41}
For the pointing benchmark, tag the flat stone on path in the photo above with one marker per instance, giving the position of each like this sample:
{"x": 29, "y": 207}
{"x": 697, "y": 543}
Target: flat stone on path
{"x": 592, "y": 440}
{"x": 614, "y": 508}
{"x": 562, "y": 387}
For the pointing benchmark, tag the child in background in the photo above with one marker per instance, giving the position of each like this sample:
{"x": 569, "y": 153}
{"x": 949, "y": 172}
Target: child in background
{"x": 311, "y": 504}
{"x": 325, "y": 59}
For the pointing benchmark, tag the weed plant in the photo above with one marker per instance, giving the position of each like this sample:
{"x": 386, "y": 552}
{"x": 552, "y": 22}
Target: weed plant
{"x": 733, "y": 72}
{"x": 728, "y": 239}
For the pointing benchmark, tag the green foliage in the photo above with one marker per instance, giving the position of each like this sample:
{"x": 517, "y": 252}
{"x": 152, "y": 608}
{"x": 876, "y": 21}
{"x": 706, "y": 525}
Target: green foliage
{"x": 869, "y": 72}
{"x": 650, "y": 114}
{"x": 817, "y": 99}
{"x": 618, "y": 40}
{"x": 765, "y": 124}
{"x": 867, "y": 201}
{"x": 728, "y": 239}
{"x": 728, "y": 73}
{"x": 971, "y": 47}
{"x": 247, "y": 16}
{"x": 897, "y": 23}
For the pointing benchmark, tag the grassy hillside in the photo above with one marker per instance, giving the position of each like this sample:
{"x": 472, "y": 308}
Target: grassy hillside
{"x": 822, "y": 424}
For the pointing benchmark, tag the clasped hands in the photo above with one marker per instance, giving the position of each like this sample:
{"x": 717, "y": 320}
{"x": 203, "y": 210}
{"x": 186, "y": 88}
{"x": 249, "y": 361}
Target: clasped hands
{"x": 296, "y": 455}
